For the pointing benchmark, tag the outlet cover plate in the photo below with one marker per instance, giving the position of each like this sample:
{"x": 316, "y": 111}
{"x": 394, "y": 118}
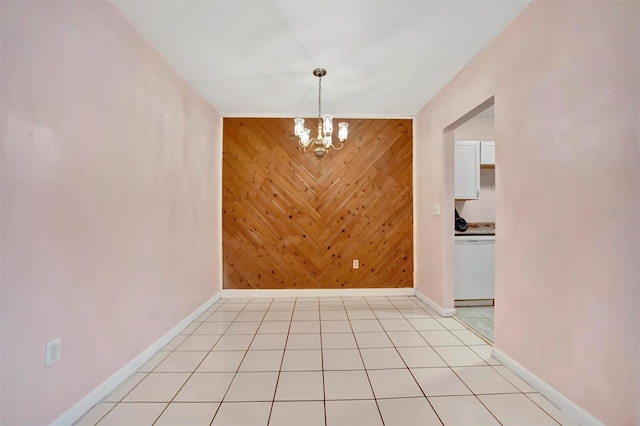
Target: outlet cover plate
{"x": 356, "y": 264}
{"x": 53, "y": 351}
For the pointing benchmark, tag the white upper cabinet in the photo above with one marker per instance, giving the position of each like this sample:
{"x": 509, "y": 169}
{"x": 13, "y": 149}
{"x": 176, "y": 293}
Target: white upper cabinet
{"x": 487, "y": 153}
{"x": 467, "y": 170}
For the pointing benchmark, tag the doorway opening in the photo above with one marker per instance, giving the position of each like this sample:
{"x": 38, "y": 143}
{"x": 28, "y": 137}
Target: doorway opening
{"x": 474, "y": 171}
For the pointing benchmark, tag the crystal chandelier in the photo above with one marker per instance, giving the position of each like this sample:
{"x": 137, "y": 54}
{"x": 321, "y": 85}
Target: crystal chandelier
{"x": 322, "y": 143}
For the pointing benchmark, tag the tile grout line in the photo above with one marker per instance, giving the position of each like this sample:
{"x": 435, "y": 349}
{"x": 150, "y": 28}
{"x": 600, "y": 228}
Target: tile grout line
{"x": 241, "y": 361}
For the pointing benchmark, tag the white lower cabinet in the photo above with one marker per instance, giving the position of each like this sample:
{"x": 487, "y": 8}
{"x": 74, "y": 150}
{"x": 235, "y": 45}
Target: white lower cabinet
{"x": 474, "y": 260}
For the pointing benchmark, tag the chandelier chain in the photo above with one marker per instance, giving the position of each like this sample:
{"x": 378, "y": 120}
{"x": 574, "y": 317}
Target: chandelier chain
{"x": 320, "y": 97}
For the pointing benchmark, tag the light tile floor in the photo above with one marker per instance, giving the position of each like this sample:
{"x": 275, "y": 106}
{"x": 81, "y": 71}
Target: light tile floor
{"x": 324, "y": 361}
{"x": 479, "y": 318}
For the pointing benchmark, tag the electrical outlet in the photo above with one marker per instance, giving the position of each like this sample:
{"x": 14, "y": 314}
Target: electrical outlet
{"x": 436, "y": 209}
{"x": 53, "y": 351}
{"x": 356, "y": 264}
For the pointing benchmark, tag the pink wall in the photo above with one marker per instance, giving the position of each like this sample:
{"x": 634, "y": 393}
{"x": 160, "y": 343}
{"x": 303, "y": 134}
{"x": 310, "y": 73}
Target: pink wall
{"x": 110, "y": 201}
{"x": 484, "y": 208}
{"x": 565, "y": 76}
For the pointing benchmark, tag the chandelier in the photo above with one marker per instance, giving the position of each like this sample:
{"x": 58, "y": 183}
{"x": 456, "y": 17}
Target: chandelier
{"x": 322, "y": 143}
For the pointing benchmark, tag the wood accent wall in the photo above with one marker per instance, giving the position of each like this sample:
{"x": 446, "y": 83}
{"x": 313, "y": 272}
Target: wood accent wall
{"x": 291, "y": 220}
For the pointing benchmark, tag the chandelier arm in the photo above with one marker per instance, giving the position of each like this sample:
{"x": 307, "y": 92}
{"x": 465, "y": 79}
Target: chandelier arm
{"x": 337, "y": 148}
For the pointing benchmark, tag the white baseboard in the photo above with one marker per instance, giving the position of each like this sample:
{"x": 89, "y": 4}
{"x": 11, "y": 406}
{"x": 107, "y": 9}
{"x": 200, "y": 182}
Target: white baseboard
{"x": 319, "y": 292}
{"x": 433, "y": 305}
{"x": 565, "y": 405}
{"x": 78, "y": 410}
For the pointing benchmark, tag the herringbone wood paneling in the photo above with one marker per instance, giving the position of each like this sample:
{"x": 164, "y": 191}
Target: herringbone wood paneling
{"x": 291, "y": 220}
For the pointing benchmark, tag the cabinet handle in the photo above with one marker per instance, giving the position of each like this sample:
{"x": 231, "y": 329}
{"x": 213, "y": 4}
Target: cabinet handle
{"x": 477, "y": 193}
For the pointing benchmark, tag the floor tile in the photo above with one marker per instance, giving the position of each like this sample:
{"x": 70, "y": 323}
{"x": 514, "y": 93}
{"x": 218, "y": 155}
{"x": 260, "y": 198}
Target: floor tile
{"x": 247, "y": 327}
{"x": 250, "y": 316}
{"x": 426, "y": 324}
{"x": 459, "y": 356}
{"x": 306, "y": 316}
{"x": 468, "y": 338}
{"x": 307, "y": 306}
{"x": 302, "y": 360}
{"x": 441, "y": 338}
{"x": 415, "y": 313}
{"x": 393, "y": 383}
{"x": 331, "y": 306}
{"x": 451, "y": 324}
{"x": 299, "y": 386}
{"x": 191, "y": 327}
{"x": 303, "y": 341}
{"x": 242, "y": 414}
{"x": 347, "y": 385}
{"x": 341, "y": 359}
{"x": 231, "y": 307}
{"x": 516, "y": 409}
{"x": 368, "y": 325}
{"x": 205, "y": 387}
{"x": 298, "y": 327}
{"x": 462, "y": 411}
{"x": 484, "y": 380}
{"x": 187, "y": 414}
{"x": 94, "y": 415}
{"x": 181, "y": 362}
{"x": 280, "y": 305}
{"x": 514, "y": 379}
{"x": 233, "y": 342}
{"x": 221, "y": 361}
{"x": 198, "y": 342}
{"x": 297, "y": 413}
{"x": 133, "y": 414}
{"x": 439, "y": 381}
{"x": 396, "y": 324}
{"x": 353, "y": 413}
{"x": 175, "y": 342}
{"x": 212, "y": 327}
{"x": 551, "y": 409}
{"x": 256, "y": 307}
{"x": 338, "y": 341}
{"x": 407, "y": 338}
{"x": 252, "y": 387}
{"x": 407, "y": 412}
{"x": 268, "y": 341}
{"x": 222, "y": 316}
{"x": 123, "y": 389}
{"x": 421, "y": 357}
{"x": 484, "y": 352}
{"x": 157, "y": 387}
{"x": 275, "y": 315}
{"x": 274, "y": 327}
{"x": 262, "y": 361}
{"x": 373, "y": 340}
{"x": 361, "y": 314}
{"x": 154, "y": 361}
{"x": 336, "y": 326}
{"x": 333, "y": 315}
{"x": 381, "y": 358}
{"x": 390, "y": 313}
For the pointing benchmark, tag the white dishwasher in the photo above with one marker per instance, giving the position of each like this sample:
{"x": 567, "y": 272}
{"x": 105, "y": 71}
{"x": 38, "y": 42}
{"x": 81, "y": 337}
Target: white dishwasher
{"x": 474, "y": 260}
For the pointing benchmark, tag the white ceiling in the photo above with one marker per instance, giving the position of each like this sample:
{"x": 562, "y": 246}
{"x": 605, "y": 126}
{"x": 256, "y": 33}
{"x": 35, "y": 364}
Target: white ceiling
{"x": 384, "y": 58}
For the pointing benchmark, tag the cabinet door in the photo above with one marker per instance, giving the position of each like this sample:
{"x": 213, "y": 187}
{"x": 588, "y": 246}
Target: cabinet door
{"x": 467, "y": 170}
{"x": 487, "y": 153}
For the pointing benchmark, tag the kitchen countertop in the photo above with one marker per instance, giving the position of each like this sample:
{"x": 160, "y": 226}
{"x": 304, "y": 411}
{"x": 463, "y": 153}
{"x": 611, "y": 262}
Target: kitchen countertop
{"x": 479, "y": 228}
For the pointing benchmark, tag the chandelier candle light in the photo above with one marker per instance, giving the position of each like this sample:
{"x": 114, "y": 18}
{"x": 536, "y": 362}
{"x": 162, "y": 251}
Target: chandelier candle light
{"x": 323, "y": 142}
